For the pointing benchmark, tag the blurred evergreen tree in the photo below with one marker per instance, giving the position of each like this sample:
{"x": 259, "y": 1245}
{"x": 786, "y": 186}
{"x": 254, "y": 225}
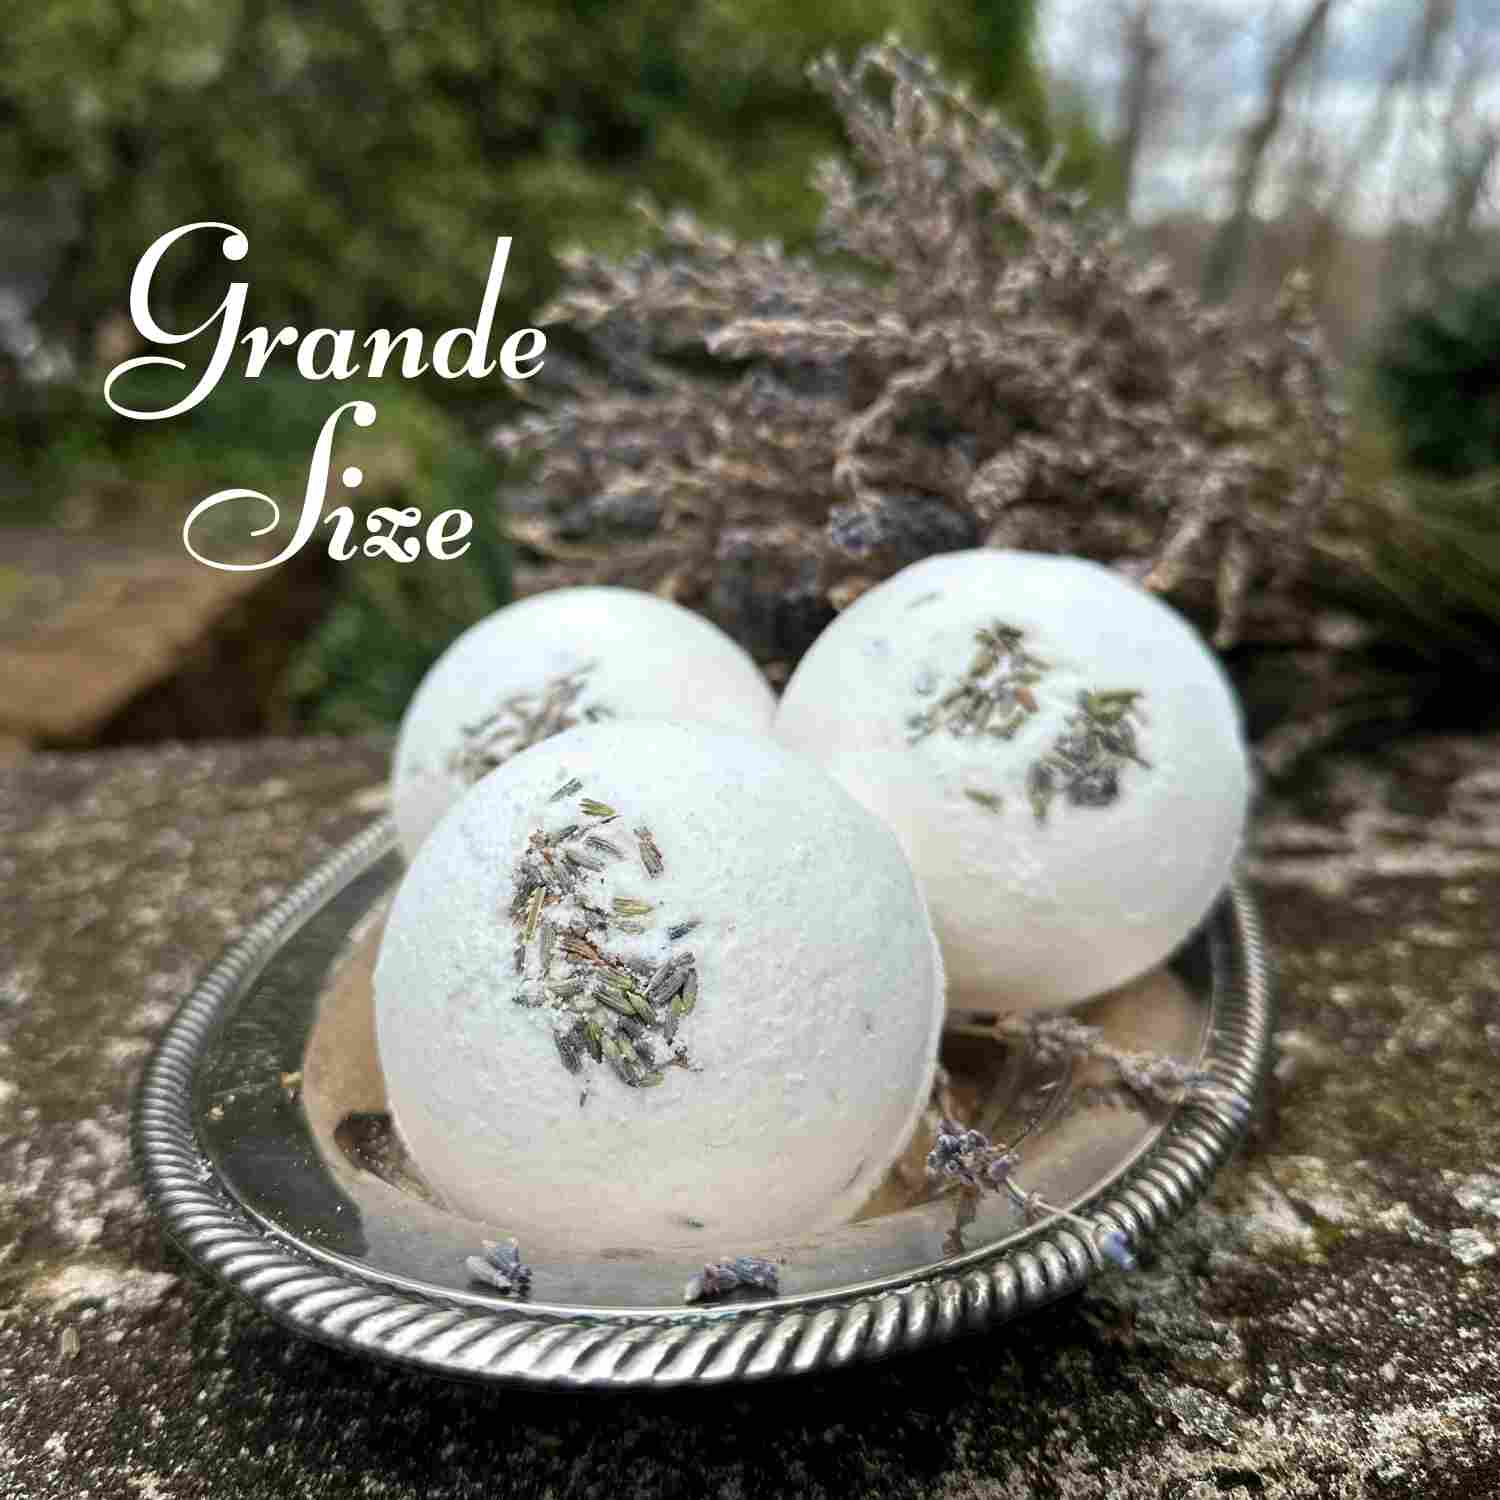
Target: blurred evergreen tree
{"x": 1437, "y": 373}
{"x": 1434, "y": 523}
{"x": 372, "y": 149}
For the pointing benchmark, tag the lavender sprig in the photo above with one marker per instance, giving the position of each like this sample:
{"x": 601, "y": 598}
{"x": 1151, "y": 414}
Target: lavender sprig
{"x": 501, "y": 1268}
{"x": 968, "y": 1158}
{"x": 719, "y": 1278}
{"x": 1150, "y": 1076}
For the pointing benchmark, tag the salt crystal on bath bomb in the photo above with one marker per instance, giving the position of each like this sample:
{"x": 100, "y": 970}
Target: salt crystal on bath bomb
{"x": 647, "y": 975}
{"x": 558, "y": 659}
{"x": 1057, "y": 750}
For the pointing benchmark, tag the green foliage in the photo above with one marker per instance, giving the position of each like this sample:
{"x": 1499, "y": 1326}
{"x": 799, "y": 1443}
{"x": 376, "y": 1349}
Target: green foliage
{"x": 66, "y": 447}
{"x": 390, "y": 621}
{"x": 1438, "y": 375}
{"x": 1434, "y": 548}
{"x": 1428, "y": 546}
{"x": 372, "y": 149}
{"x": 387, "y": 621}
{"x": 256, "y": 434}
{"x": 1433, "y": 521}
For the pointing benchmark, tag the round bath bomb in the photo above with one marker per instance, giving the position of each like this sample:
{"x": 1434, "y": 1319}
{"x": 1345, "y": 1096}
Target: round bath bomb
{"x": 650, "y": 975}
{"x": 1058, "y": 751}
{"x": 558, "y": 659}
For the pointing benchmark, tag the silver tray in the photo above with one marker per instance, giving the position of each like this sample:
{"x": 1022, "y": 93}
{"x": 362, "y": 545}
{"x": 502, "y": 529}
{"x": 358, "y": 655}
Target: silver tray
{"x": 248, "y": 1130}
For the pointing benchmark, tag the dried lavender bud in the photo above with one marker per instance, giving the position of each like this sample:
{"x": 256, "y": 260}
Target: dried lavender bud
{"x": 1114, "y": 1246}
{"x": 650, "y": 855}
{"x": 670, "y": 977}
{"x": 501, "y": 1268}
{"x": 593, "y": 1040}
{"x": 1086, "y": 758}
{"x": 568, "y": 1051}
{"x": 719, "y": 1278}
{"x": 967, "y": 1157}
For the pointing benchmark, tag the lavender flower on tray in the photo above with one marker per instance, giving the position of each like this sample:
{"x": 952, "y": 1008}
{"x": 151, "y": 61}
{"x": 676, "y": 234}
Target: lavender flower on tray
{"x": 966, "y": 1156}
{"x": 719, "y": 1278}
{"x": 501, "y": 1268}
{"x": 970, "y": 1160}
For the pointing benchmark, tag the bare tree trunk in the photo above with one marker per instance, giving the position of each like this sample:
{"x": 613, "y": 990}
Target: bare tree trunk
{"x": 1138, "y": 92}
{"x": 1415, "y": 62}
{"x": 1466, "y": 186}
{"x": 1468, "y": 165}
{"x": 1226, "y": 256}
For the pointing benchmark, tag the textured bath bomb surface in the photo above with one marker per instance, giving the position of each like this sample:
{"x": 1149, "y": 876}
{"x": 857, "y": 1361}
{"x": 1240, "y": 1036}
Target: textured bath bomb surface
{"x": 649, "y": 974}
{"x": 558, "y": 659}
{"x": 1058, "y": 751}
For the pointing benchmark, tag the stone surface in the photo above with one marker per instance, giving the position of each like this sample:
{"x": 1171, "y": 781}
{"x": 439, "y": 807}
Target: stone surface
{"x": 1325, "y": 1325}
{"x": 105, "y": 641}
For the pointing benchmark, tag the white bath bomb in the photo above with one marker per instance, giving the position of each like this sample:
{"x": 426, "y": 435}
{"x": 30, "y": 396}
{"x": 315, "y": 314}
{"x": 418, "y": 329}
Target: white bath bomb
{"x": 650, "y": 974}
{"x": 547, "y": 663}
{"x": 1059, "y": 753}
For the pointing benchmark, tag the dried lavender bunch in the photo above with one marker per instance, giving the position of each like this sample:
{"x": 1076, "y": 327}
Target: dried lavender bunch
{"x": 719, "y": 1278}
{"x": 981, "y": 363}
{"x": 501, "y": 1268}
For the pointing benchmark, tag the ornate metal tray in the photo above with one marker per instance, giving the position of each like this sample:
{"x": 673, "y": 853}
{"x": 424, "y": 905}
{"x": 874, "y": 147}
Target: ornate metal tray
{"x": 258, "y": 1136}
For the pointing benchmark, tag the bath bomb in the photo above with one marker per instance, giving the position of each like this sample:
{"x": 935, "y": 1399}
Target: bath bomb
{"x": 1059, "y": 753}
{"x": 647, "y": 976}
{"x": 547, "y": 663}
